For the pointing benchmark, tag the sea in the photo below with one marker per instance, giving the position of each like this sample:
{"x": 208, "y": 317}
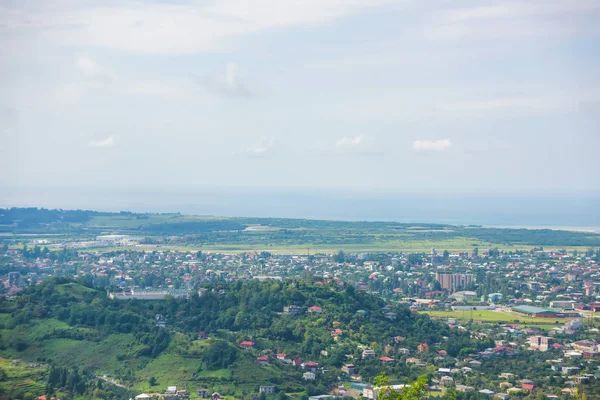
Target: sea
{"x": 577, "y": 211}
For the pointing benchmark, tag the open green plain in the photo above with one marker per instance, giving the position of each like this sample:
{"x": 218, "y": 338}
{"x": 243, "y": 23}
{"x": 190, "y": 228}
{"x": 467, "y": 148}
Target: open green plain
{"x": 499, "y": 317}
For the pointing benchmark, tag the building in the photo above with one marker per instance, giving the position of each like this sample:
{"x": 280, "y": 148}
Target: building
{"x": 368, "y": 353}
{"x": 495, "y": 297}
{"x": 541, "y": 343}
{"x": 262, "y": 360}
{"x": 292, "y": 310}
{"x": 315, "y": 309}
{"x": 423, "y": 348}
{"x": 150, "y": 294}
{"x": 267, "y": 389}
{"x": 309, "y": 376}
{"x": 543, "y": 312}
{"x": 451, "y": 281}
{"x": 564, "y": 304}
{"x": 348, "y": 368}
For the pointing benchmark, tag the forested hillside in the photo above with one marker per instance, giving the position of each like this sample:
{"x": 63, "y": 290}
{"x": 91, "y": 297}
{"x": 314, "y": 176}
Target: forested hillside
{"x": 77, "y": 332}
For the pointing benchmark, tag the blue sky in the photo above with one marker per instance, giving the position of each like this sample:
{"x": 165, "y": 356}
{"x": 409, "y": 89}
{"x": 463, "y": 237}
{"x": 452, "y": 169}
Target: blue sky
{"x": 400, "y": 96}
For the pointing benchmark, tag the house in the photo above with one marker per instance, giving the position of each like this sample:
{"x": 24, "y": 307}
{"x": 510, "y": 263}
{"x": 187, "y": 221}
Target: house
{"x": 446, "y": 381}
{"x": 282, "y": 357}
{"x": 463, "y": 388}
{"x": 502, "y": 396}
{"x": 336, "y": 333}
{"x": 292, "y": 310}
{"x": 528, "y": 386}
{"x": 202, "y": 335}
{"x": 310, "y": 365}
{"x": 386, "y": 359}
{"x": 246, "y": 345}
{"x": 348, "y": 368}
{"x": 138, "y": 397}
{"x": 390, "y": 315}
{"x": 315, "y": 309}
{"x": 262, "y": 360}
{"x": 585, "y": 345}
{"x": 216, "y": 396}
{"x": 171, "y": 390}
{"x": 423, "y": 348}
{"x": 369, "y": 393}
{"x": 203, "y": 393}
{"x": 267, "y": 389}
{"x": 368, "y": 353}
{"x": 309, "y": 376}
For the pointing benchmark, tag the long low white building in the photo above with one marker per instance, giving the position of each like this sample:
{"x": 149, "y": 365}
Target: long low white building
{"x": 150, "y": 294}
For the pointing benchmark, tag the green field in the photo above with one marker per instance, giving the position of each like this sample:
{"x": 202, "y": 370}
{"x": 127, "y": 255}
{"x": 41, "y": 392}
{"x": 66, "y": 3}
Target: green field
{"x": 452, "y": 245}
{"x": 498, "y": 316}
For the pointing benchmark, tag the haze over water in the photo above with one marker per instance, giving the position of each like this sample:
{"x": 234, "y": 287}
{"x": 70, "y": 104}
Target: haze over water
{"x": 535, "y": 210}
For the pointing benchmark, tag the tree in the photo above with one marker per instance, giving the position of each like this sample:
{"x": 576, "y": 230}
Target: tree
{"x": 416, "y": 391}
{"x": 340, "y": 257}
{"x": 152, "y": 381}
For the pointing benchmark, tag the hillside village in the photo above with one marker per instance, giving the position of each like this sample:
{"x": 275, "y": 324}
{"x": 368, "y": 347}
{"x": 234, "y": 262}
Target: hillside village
{"x": 533, "y": 308}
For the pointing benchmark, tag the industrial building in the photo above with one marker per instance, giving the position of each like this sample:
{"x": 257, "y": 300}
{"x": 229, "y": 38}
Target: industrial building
{"x": 538, "y": 312}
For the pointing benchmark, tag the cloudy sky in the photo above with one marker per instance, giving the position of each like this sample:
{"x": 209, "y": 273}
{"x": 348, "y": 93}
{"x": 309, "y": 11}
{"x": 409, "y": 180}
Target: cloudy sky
{"x": 400, "y": 95}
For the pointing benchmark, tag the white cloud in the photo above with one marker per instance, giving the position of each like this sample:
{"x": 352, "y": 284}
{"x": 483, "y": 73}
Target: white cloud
{"x": 227, "y": 83}
{"x": 92, "y": 71}
{"x": 432, "y": 145}
{"x": 108, "y": 141}
{"x": 91, "y": 76}
{"x": 520, "y": 10}
{"x": 172, "y": 28}
{"x": 355, "y": 141}
{"x": 517, "y": 104}
{"x": 511, "y": 19}
{"x": 263, "y": 147}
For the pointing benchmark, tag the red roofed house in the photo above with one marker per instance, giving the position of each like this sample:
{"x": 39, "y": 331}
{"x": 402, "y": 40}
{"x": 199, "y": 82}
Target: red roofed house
{"x": 527, "y": 386}
{"x": 423, "y": 348}
{"x": 315, "y": 309}
{"x": 386, "y": 359}
{"x": 247, "y": 345}
{"x": 310, "y": 365}
{"x": 262, "y": 360}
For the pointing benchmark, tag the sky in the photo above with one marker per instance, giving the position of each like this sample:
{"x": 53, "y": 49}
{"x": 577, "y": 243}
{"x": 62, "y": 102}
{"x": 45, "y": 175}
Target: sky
{"x": 399, "y": 96}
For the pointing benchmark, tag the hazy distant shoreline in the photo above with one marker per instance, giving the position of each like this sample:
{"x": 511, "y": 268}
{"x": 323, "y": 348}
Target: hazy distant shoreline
{"x": 590, "y": 229}
{"x": 574, "y": 211}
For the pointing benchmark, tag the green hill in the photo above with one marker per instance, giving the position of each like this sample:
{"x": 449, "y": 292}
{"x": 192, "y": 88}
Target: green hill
{"x": 62, "y": 324}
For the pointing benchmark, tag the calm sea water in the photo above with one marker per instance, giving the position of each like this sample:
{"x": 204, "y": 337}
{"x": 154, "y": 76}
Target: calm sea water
{"x": 564, "y": 210}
